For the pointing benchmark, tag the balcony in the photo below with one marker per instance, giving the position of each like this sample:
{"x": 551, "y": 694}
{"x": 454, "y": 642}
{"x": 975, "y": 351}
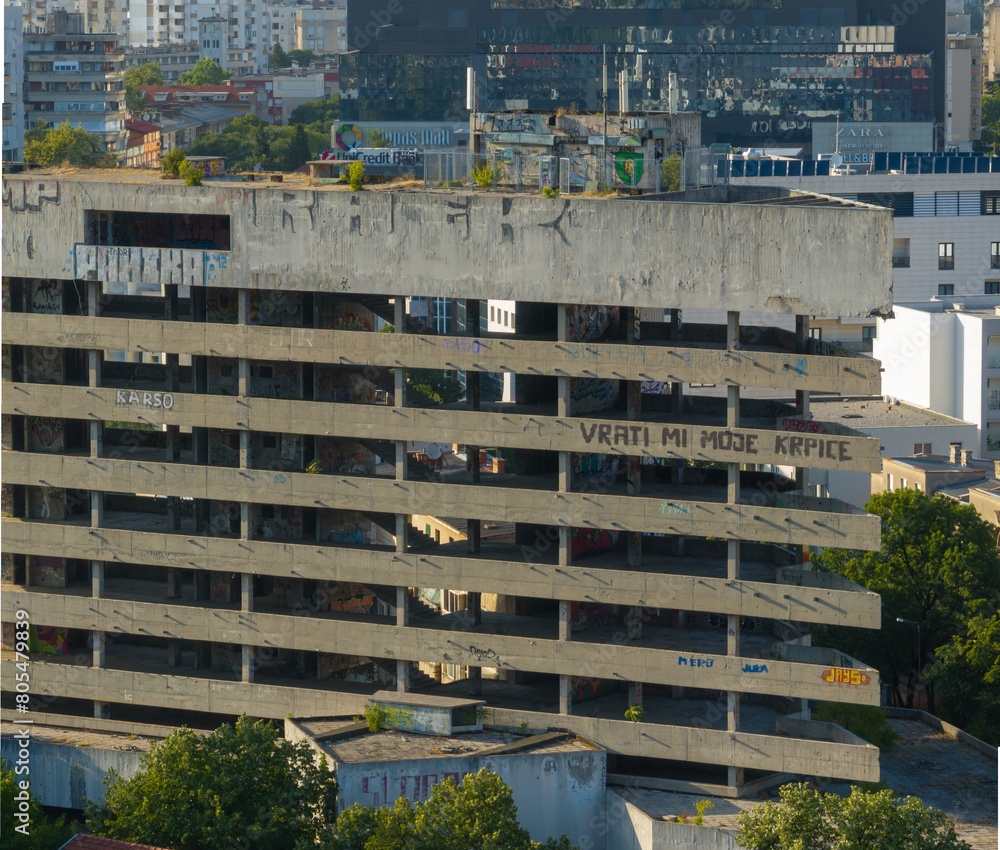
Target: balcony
{"x": 993, "y": 400}
{"x": 900, "y": 262}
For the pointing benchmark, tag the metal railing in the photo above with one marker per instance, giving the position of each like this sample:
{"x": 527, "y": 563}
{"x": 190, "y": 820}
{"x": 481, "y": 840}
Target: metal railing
{"x": 516, "y": 172}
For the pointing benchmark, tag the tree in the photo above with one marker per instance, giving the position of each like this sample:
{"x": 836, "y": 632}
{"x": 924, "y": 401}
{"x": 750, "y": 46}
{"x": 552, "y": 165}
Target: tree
{"x": 435, "y": 384}
{"x": 146, "y": 74}
{"x": 17, "y": 799}
{"x": 240, "y": 786}
{"x": 990, "y": 120}
{"x": 866, "y": 820}
{"x": 47, "y": 145}
{"x": 206, "y": 72}
{"x": 319, "y": 114}
{"x": 937, "y": 567}
{"x": 304, "y": 58}
{"x": 378, "y": 139}
{"x": 480, "y": 813}
{"x": 966, "y": 673}
{"x": 277, "y": 58}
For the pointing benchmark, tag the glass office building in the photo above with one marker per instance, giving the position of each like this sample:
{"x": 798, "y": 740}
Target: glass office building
{"x": 759, "y": 71}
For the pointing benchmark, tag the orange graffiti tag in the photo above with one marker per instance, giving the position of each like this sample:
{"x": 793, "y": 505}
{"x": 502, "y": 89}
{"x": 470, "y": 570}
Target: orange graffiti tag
{"x": 842, "y": 676}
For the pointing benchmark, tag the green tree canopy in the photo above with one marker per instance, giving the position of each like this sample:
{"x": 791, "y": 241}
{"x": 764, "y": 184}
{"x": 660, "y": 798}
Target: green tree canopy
{"x": 248, "y": 141}
{"x": 206, "y": 72}
{"x": 317, "y": 115}
{"x": 240, "y": 786}
{"x": 304, "y": 57}
{"x": 966, "y": 673}
{"x": 480, "y": 813}
{"x": 146, "y": 74}
{"x": 37, "y": 832}
{"x": 277, "y": 58}
{"x": 47, "y": 145}
{"x": 937, "y": 567}
{"x": 866, "y": 820}
{"x": 990, "y": 120}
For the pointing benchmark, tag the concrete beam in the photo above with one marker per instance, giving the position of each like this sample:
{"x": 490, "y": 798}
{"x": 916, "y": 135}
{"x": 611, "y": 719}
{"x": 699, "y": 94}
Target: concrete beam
{"x": 784, "y": 370}
{"x": 378, "y": 422}
{"x": 843, "y": 604}
{"x": 748, "y": 256}
{"x": 634, "y": 663}
{"x": 625, "y": 513}
{"x": 853, "y": 762}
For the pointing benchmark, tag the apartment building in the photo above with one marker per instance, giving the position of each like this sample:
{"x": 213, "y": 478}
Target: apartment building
{"x": 322, "y": 30}
{"x": 13, "y": 84}
{"x": 76, "y": 76}
{"x": 222, "y": 522}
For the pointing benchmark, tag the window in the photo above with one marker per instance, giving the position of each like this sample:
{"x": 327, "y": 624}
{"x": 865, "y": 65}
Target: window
{"x": 946, "y": 289}
{"x": 869, "y": 332}
{"x": 946, "y": 255}
{"x": 506, "y": 318}
{"x": 900, "y": 253}
{"x": 922, "y": 449}
{"x": 815, "y": 333}
{"x": 492, "y": 312}
{"x": 995, "y": 255}
{"x": 990, "y": 203}
{"x": 992, "y": 287}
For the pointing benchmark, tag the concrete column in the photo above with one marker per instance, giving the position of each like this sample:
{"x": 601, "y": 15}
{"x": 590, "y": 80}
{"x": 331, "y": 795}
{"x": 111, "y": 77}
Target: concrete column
{"x": 633, "y": 473}
{"x": 102, "y": 710}
{"x": 402, "y": 520}
{"x": 473, "y": 474}
{"x": 246, "y": 593}
{"x": 173, "y": 652}
{"x": 97, "y": 579}
{"x": 98, "y": 645}
{"x": 247, "y": 663}
{"x": 174, "y": 584}
{"x": 565, "y": 533}
{"x": 802, "y": 474}
{"x": 202, "y": 655}
{"x": 735, "y": 774}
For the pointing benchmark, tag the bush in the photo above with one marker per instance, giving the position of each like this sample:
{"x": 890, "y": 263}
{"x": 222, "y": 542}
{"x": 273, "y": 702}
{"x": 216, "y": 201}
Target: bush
{"x": 375, "y": 716}
{"x": 171, "y": 163}
{"x": 487, "y": 176}
{"x": 550, "y": 192}
{"x": 356, "y": 173}
{"x": 192, "y": 174}
{"x": 865, "y": 721}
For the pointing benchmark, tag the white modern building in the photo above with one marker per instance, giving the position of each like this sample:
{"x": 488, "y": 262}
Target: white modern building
{"x": 946, "y": 240}
{"x": 13, "y": 83}
{"x": 944, "y": 354}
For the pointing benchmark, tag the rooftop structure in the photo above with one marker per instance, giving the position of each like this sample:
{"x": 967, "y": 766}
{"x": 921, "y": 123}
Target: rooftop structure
{"x": 210, "y": 519}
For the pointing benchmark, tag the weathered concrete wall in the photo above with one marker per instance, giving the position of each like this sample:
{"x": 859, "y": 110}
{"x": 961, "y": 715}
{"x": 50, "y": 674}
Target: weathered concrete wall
{"x": 555, "y": 792}
{"x": 639, "y": 363}
{"x": 629, "y": 828}
{"x": 627, "y": 513}
{"x": 380, "y": 422}
{"x": 509, "y": 652}
{"x": 64, "y": 775}
{"x": 545, "y": 581}
{"x": 831, "y": 261}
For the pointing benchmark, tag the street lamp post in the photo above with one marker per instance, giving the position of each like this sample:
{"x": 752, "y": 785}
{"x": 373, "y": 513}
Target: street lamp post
{"x": 919, "y": 657}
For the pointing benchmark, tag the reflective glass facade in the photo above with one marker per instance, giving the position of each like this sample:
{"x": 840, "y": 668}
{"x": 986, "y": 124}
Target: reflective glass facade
{"x": 757, "y": 70}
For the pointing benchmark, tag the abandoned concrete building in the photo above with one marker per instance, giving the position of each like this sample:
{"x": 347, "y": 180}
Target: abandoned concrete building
{"x": 210, "y": 461}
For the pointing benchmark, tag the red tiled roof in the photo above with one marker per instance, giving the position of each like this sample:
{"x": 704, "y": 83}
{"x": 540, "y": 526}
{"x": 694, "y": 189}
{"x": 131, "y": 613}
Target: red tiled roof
{"x": 80, "y": 841}
{"x": 141, "y": 126}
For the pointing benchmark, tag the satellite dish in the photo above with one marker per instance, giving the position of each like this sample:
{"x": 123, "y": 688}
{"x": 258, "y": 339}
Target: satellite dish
{"x": 433, "y": 451}
{"x": 836, "y": 160}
